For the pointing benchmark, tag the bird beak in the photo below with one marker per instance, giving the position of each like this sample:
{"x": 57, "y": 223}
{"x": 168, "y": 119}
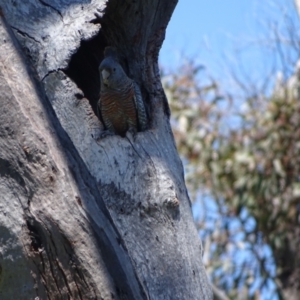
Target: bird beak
{"x": 105, "y": 75}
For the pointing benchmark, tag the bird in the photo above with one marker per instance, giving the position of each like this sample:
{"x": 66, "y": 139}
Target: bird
{"x": 120, "y": 103}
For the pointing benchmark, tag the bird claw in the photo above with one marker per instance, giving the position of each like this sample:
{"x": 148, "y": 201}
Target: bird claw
{"x": 131, "y": 134}
{"x": 102, "y": 135}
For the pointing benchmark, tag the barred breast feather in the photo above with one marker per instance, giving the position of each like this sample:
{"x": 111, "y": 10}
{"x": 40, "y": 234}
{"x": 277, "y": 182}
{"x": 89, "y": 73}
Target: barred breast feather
{"x": 118, "y": 109}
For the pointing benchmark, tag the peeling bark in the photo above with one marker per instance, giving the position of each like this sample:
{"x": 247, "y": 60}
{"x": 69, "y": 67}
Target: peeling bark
{"x": 82, "y": 218}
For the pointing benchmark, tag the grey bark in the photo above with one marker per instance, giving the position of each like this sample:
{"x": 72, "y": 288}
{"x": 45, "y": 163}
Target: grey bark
{"x": 297, "y": 5}
{"x": 82, "y": 218}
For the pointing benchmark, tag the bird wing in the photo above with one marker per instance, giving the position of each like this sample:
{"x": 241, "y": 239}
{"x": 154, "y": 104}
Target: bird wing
{"x": 140, "y": 107}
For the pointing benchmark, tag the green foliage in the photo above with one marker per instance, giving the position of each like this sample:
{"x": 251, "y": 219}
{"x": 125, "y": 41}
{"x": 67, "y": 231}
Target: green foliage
{"x": 243, "y": 156}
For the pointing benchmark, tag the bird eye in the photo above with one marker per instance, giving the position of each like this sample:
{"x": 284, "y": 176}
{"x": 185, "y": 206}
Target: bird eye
{"x": 114, "y": 69}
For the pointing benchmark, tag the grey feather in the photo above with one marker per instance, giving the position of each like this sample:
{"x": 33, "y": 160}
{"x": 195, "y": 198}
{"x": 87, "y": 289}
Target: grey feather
{"x": 140, "y": 107}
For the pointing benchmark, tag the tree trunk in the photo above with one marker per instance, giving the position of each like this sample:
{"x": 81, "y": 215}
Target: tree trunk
{"x": 297, "y": 5}
{"x": 82, "y": 218}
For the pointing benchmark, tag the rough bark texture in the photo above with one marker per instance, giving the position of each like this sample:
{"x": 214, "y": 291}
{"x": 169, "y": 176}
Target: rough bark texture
{"x": 297, "y": 5}
{"x": 81, "y": 218}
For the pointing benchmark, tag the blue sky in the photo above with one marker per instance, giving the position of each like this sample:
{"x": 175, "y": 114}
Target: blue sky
{"x": 211, "y": 30}
{"x": 203, "y": 27}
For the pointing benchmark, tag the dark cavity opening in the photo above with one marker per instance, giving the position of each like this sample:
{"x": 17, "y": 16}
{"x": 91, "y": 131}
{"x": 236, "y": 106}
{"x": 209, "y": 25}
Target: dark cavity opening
{"x": 83, "y": 68}
{"x": 36, "y": 241}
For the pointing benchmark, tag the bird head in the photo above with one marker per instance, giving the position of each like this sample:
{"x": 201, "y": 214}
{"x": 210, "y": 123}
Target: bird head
{"x": 111, "y": 73}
